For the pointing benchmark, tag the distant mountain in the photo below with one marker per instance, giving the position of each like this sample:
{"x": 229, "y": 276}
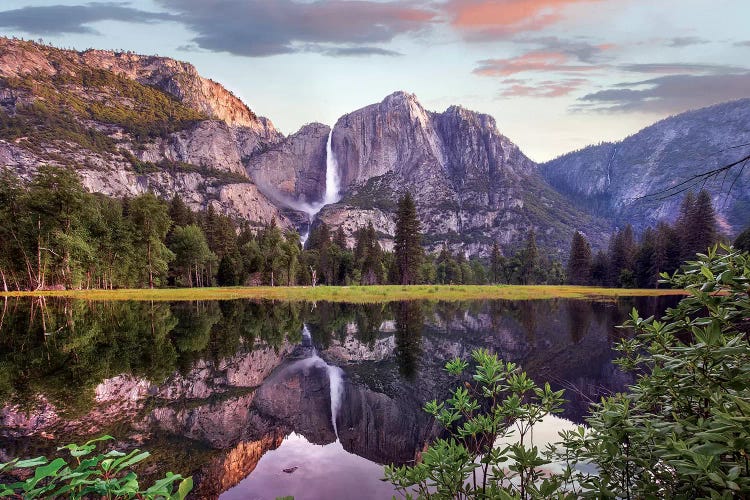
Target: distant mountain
{"x": 625, "y": 181}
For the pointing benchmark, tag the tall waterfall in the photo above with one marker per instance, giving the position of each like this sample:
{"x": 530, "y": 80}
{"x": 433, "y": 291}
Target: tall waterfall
{"x": 335, "y": 379}
{"x": 333, "y": 180}
{"x": 333, "y": 186}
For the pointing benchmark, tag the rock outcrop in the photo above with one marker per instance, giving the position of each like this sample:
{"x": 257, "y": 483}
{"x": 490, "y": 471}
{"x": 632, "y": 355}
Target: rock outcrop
{"x": 627, "y": 181}
{"x": 123, "y": 144}
{"x": 130, "y": 123}
{"x": 293, "y": 171}
{"x": 472, "y": 185}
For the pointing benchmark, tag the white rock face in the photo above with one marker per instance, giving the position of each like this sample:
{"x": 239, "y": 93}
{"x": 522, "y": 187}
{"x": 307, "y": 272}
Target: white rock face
{"x": 209, "y": 143}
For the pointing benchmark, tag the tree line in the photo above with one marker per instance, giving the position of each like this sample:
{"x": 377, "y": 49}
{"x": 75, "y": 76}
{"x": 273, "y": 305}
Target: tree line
{"x": 55, "y": 234}
{"x": 631, "y": 262}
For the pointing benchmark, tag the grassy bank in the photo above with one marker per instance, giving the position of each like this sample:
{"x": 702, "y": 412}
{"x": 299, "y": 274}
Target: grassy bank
{"x": 356, "y": 294}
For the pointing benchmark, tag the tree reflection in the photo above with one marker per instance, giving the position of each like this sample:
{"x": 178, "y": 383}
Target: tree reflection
{"x": 409, "y": 324}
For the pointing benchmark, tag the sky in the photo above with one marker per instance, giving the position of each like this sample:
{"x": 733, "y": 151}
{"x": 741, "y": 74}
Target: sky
{"x": 556, "y": 75}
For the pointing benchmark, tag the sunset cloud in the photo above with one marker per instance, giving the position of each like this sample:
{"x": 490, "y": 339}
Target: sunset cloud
{"x": 492, "y": 19}
{"x": 545, "y": 88}
{"x": 537, "y": 61}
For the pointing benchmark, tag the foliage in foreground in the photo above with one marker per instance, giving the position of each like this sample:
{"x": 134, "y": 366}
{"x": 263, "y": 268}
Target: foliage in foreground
{"x": 105, "y": 475}
{"x": 683, "y": 430}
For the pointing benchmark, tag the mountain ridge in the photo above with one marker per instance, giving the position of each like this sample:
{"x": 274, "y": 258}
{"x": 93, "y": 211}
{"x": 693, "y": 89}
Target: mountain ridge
{"x": 624, "y": 179}
{"x": 130, "y": 124}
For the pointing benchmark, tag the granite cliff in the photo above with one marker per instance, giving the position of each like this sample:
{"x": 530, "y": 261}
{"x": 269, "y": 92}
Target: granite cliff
{"x": 130, "y": 124}
{"x": 472, "y": 185}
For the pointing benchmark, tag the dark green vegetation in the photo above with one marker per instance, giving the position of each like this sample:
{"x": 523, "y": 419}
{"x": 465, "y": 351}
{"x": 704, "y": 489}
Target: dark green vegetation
{"x": 58, "y": 106}
{"x": 681, "y": 432}
{"x": 407, "y": 242}
{"x": 106, "y": 475}
{"x": 637, "y": 264}
{"x": 54, "y": 234}
{"x": 94, "y": 341}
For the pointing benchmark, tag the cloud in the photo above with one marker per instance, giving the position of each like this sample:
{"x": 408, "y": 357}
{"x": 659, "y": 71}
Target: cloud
{"x": 62, "y": 19}
{"x": 537, "y": 61}
{"x": 668, "y": 94}
{"x": 743, "y": 43}
{"x": 360, "y": 51}
{"x": 495, "y": 19}
{"x": 580, "y": 49}
{"x": 686, "y": 41}
{"x": 546, "y": 88}
{"x": 682, "y": 68}
{"x": 258, "y": 28}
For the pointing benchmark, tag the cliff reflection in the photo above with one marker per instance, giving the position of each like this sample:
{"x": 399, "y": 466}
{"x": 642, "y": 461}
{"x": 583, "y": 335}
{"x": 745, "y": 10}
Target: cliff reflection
{"x": 213, "y": 386}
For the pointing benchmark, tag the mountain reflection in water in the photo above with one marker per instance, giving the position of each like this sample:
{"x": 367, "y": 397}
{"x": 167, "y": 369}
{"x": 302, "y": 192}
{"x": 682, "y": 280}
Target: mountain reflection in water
{"x": 231, "y": 392}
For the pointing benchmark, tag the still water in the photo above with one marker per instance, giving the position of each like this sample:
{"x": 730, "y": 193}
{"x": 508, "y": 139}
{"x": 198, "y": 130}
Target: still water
{"x": 267, "y": 399}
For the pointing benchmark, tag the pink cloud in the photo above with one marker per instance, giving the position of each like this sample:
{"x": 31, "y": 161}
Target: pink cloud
{"x": 540, "y": 60}
{"x": 547, "y": 88}
{"x": 486, "y": 19}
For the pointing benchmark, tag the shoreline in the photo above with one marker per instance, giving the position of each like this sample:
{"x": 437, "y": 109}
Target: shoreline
{"x": 355, "y": 294}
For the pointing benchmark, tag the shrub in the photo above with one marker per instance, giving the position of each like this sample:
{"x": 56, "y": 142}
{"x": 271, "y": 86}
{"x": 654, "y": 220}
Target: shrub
{"x": 683, "y": 430}
{"x": 104, "y": 475}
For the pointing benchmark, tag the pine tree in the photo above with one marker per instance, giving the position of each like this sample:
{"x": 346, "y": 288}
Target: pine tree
{"x": 696, "y": 224}
{"x": 179, "y": 212}
{"x": 497, "y": 262}
{"x": 407, "y": 241}
{"x": 150, "y": 219}
{"x": 622, "y": 248}
{"x": 579, "y": 262}
{"x": 529, "y": 258}
{"x": 600, "y": 269}
{"x": 646, "y": 269}
{"x": 743, "y": 241}
{"x": 339, "y": 238}
{"x": 668, "y": 249}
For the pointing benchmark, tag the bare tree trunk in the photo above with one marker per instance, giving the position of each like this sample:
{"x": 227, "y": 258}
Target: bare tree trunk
{"x": 150, "y": 267}
{"x": 5, "y": 284}
{"x": 39, "y": 276}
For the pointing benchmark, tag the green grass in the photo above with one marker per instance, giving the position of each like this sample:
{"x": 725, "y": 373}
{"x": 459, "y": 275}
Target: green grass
{"x": 356, "y": 294}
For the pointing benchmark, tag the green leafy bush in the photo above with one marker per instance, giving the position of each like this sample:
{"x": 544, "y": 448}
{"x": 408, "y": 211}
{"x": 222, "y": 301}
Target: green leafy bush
{"x": 500, "y": 403}
{"x": 105, "y": 475}
{"x": 683, "y": 430}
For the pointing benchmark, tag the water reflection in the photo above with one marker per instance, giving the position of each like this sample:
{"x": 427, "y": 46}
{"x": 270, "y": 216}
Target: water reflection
{"x": 212, "y": 388}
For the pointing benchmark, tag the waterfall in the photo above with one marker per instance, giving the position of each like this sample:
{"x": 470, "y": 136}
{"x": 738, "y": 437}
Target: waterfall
{"x": 332, "y": 193}
{"x": 335, "y": 378}
{"x": 332, "y": 174}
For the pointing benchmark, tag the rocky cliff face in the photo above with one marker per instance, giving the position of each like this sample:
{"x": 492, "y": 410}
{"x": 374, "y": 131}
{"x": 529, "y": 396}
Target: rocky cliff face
{"x": 472, "y": 185}
{"x": 293, "y": 171}
{"x": 180, "y": 79}
{"x": 130, "y": 124}
{"x": 616, "y": 179}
